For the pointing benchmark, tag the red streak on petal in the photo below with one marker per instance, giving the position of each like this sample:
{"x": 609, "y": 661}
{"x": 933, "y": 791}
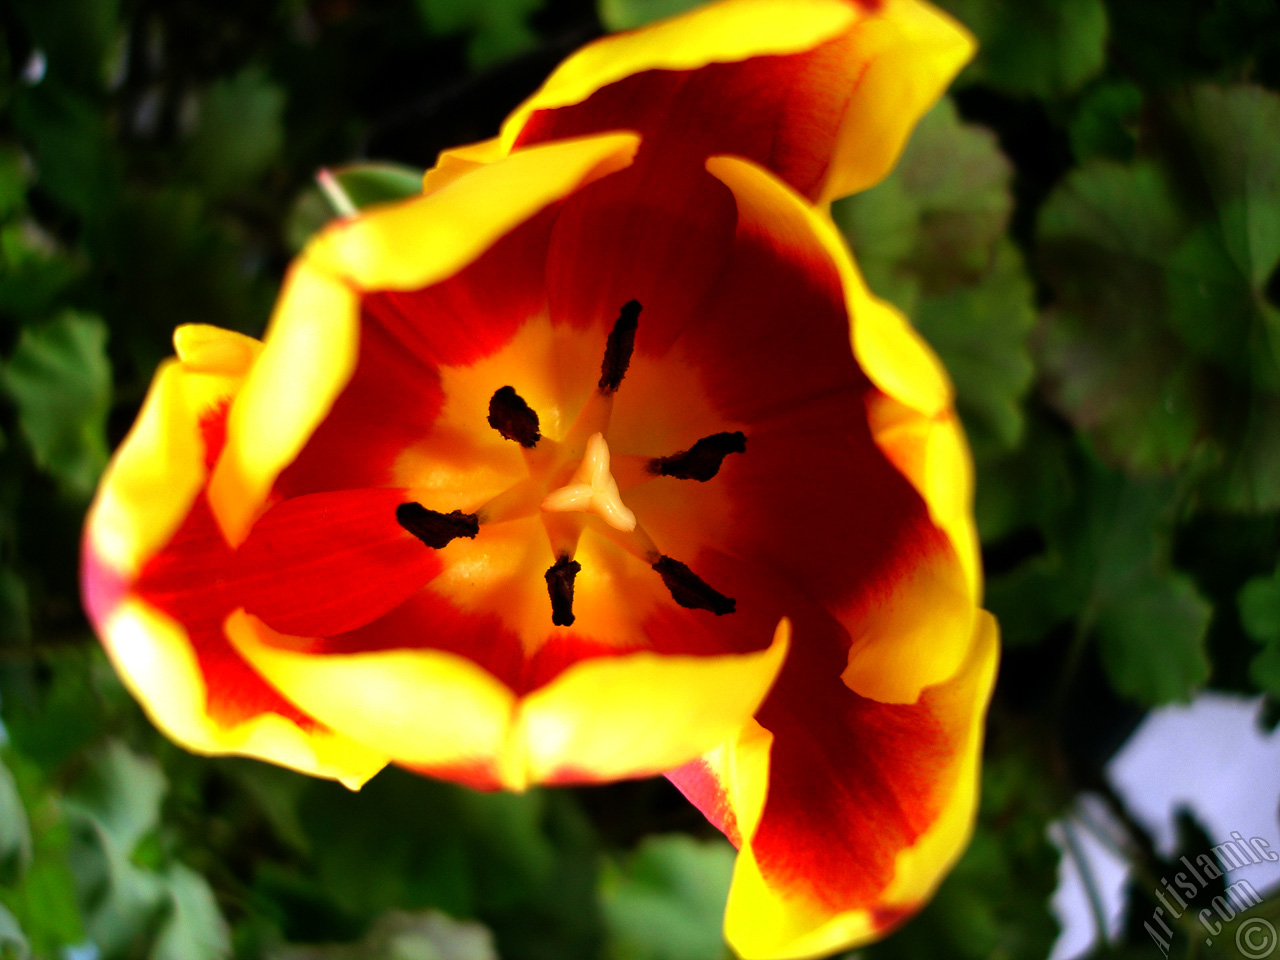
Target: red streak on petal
{"x": 641, "y": 234}
{"x": 392, "y": 401}
{"x": 851, "y": 781}
{"x": 478, "y": 775}
{"x": 101, "y": 587}
{"x": 190, "y": 581}
{"x": 474, "y": 313}
{"x": 213, "y": 429}
{"x": 888, "y": 919}
{"x": 781, "y": 111}
{"x": 326, "y": 563}
{"x": 705, "y": 791}
{"x": 428, "y": 621}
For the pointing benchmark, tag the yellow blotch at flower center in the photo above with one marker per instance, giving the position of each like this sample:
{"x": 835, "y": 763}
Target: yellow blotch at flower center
{"x": 547, "y": 485}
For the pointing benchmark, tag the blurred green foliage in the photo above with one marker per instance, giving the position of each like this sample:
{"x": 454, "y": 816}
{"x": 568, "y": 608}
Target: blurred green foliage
{"x": 1087, "y": 230}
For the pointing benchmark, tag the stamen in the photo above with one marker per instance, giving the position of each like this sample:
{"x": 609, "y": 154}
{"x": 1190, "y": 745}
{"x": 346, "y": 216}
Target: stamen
{"x": 618, "y": 348}
{"x": 691, "y": 591}
{"x": 513, "y": 418}
{"x": 560, "y": 586}
{"x": 436, "y": 529}
{"x": 702, "y": 461}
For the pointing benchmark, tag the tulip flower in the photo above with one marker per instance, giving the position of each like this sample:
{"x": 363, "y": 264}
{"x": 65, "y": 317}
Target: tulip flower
{"x": 597, "y": 460}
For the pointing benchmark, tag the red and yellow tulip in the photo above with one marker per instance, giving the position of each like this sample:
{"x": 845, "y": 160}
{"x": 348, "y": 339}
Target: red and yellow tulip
{"x": 597, "y": 460}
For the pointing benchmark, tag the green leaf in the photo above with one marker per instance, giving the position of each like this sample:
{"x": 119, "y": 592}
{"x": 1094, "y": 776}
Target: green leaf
{"x": 1151, "y": 635}
{"x": 666, "y": 902}
{"x": 1108, "y": 567}
{"x": 73, "y": 143}
{"x": 980, "y": 332}
{"x": 523, "y": 864}
{"x": 931, "y": 239}
{"x": 498, "y": 29}
{"x": 194, "y": 928}
{"x": 629, "y": 14}
{"x": 400, "y": 935}
{"x": 1040, "y": 48}
{"x": 1109, "y": 360}
{"x": 1150, "y": 621}
{"x": 369, "y": 183}
{"x": 1236, "y": 134}
{"x": 239, "y": 133}
{"x": 60, "y": 380}
{"x": 13, "y": 942}
{"x": 43, "y": 900}
{"x": 34, "y": 270}
{"x": 1260, "y": 614}
{"x": 1105, "y": 123}
{"x": 15, "y": 608}
{"x": 16, "y": 848}
{"x": 114, "y": 807}
{"x": 84, "y": 41}
{"x": 15, "y": 174}
{"x": 121, "y": 793}
{"x": 1162, "y": 343}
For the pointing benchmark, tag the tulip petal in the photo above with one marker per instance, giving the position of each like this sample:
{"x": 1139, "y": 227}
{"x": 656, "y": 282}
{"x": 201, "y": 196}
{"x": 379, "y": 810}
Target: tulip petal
{"x": 149, "y": 487}
{"x": 425, "y": 708}
{"x": 834, "y": 87}
{"x": 848, "y": 812}
{"x": 600, "y": 719}
{"x": 640, "y": 714}
{"x": 912, "y": 621}
{"x": 155, "y": 657}
{"x": 329, "y": 562}
{"x": 155, "y": 568}
{"x": 314, "y": 335}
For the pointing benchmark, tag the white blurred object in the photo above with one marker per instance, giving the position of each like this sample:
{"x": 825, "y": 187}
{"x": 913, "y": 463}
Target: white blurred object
{"x": 1209, "y": 757}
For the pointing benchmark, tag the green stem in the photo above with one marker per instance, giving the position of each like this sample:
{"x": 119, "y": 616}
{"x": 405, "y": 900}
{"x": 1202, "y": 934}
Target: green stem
{"x": 1090, "y": 885}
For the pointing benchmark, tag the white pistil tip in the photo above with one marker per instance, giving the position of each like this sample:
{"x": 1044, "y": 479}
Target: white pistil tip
{"x": 592, "y": 489}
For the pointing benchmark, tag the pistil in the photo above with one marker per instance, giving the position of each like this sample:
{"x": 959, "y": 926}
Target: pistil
{"x": 592, "y": 489}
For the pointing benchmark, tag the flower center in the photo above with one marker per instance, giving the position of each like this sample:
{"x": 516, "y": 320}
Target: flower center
{"x": 572, "y": 485}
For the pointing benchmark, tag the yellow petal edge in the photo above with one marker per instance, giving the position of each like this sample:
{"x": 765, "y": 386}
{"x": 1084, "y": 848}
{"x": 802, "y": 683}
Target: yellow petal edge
{"x": 145, "y": 494}
{"x": 901, "y": 55}
{"x": 602, "y": 719}
{"x": 724, "y": 32}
